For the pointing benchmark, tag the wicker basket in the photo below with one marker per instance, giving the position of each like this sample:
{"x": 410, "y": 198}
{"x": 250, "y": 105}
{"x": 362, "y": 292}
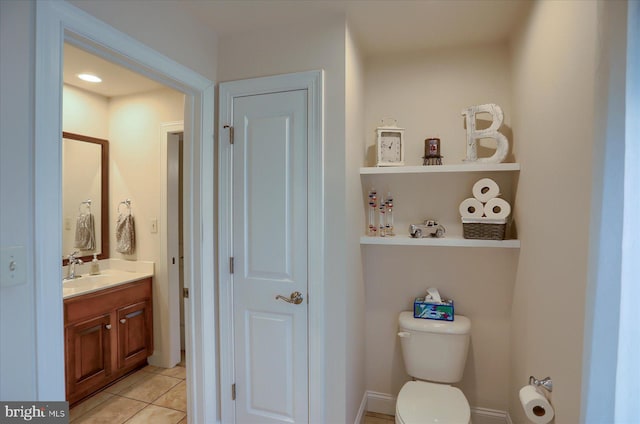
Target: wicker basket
{"x": 484, "y": 228}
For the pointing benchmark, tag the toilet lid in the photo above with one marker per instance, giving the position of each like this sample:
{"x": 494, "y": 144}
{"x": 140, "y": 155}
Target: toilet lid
{"x": 420, "y": 402}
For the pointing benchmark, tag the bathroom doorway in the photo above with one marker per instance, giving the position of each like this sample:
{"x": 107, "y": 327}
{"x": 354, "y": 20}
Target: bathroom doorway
{"x": 123, "y": 112}
{"x": 59, "y": 22}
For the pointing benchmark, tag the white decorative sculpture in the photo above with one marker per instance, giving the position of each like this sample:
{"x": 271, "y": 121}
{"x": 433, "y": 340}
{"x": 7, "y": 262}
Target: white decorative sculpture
{"x": 473, "y": 134}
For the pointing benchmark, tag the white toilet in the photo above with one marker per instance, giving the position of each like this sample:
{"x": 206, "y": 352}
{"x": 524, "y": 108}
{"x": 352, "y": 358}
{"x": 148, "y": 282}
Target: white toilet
{"x": 434, "y": 353}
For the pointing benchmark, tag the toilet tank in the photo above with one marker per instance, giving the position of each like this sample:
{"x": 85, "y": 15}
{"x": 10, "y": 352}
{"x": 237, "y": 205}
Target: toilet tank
{"x": 434, "y": 350}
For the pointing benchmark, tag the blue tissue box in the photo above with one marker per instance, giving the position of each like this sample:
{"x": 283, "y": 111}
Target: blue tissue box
{"x": 442, "y": 311}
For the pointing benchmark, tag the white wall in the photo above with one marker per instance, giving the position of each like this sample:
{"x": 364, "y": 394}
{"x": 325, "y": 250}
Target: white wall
{"x": 135, "y": 146}
{"x": 164, "y": 26}
{"x": 17, "y": 312}
{"x": 605, "y": 246}
{"x": 355, "y": 153}
{"x": 628, "y": 370}
{"x": 553, "y": 94}
{"x": 85, "y": 113}
{"x": 426, "y": 91}
{"x": 302, "y": 47}
{"x": 194, "y": 46}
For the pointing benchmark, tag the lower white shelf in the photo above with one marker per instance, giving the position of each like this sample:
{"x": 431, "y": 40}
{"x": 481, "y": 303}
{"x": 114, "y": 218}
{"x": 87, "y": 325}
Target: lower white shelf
{"x": 406, "y": 240}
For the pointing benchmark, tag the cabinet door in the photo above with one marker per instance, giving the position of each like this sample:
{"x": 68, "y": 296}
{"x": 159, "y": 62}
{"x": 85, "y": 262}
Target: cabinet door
{"x": 88, "y": 354}
{"x": 135, "y": 334}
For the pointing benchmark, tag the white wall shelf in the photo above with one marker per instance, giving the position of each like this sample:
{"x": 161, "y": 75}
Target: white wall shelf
{"x": 462, "y": 167}
{"x": 405, "y": 240}
{"x": 453, "y": 237}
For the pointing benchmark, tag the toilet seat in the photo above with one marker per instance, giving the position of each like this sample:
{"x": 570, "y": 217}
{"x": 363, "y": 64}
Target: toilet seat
{"x": 420, "y": 402}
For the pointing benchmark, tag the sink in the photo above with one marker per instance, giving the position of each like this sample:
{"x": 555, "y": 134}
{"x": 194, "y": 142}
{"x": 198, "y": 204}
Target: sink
{"x": 85, "y": 280}
{"x": 72, "y": 284}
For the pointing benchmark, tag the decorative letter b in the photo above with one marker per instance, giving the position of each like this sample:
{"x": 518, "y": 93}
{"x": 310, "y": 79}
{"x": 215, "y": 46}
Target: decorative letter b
{"x": 502, "y": 144}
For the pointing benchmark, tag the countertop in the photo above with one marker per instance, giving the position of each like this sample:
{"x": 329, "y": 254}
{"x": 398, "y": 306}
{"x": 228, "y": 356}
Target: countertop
{"x": 106, "y": 279}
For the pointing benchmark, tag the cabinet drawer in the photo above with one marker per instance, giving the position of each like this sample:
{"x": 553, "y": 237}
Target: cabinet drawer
{"x": 89, "y": 305}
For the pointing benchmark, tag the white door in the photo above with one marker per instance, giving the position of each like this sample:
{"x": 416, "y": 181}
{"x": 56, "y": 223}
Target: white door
{"x": 270, "y": 257}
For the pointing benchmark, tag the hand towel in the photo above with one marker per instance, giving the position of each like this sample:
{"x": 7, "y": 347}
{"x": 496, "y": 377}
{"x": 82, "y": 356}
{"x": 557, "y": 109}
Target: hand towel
{"x": 85, "y": 232}
{"x": 125, "y": 234}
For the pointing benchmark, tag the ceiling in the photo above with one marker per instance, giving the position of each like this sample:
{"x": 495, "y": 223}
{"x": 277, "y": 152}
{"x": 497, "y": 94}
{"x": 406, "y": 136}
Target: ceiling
{"x": 116, "y": 80}
{"x": 379, "y": 26}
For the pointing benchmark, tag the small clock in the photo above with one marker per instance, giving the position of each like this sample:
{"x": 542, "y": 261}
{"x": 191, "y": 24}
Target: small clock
{"x": 390, "y": 146}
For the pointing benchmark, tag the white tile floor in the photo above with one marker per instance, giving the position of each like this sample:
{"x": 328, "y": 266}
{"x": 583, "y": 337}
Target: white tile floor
{"x": 151, "y": 395}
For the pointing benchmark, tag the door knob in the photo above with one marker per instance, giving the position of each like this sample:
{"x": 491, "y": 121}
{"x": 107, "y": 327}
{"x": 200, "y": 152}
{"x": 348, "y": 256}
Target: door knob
{"x": 296, "y": 298}
{"x": 122, "y": 321}
{"x": 108, "y": 326}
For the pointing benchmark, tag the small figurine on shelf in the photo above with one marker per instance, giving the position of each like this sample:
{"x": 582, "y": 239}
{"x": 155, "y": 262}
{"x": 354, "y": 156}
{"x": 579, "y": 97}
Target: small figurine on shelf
{"x": 432, "y": 152}
{"x": 381, "y": 219}
{"x": 389, "y": 216}
{"x": 372, "y": 229}
{"x": 428, "y": 228}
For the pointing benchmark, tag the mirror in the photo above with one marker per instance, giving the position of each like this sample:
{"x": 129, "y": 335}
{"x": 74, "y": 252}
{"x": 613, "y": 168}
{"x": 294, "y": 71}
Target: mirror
{"x": 85, "y": 196}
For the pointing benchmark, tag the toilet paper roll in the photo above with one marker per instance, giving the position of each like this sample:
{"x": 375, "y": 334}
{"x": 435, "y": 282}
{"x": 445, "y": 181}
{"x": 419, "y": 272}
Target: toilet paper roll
{"x": 471, "y": 208}
{"x": 497, "y": 208}
{"x": 485, "y": 189}
{"x": 536, "y": 406}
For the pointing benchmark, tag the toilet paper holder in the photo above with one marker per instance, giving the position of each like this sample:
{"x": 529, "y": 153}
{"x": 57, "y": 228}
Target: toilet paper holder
{"x": 545, "y": 383}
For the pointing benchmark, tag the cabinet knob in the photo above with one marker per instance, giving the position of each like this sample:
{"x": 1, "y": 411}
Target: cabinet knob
{"x": 108, "y": 326}
{"x": 123, "y": 320}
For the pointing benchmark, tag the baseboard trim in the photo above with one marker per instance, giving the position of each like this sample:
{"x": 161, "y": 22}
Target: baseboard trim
{"x": 362, "y": 410}
{"x": 509, "y": 419}
{"x": 384, "y": 403}
{"x": 489, "y": 416}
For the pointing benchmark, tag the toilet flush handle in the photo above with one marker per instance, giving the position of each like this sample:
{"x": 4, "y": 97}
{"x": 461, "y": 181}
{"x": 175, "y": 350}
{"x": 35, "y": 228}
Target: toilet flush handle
{"x": 404, "y": 334}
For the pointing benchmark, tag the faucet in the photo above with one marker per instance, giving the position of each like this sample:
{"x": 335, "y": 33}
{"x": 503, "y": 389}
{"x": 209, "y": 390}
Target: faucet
{"x": 73, "y": 261}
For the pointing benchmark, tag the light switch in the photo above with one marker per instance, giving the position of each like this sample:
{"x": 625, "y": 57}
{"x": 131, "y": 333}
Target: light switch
{"x": 154, "y": 226}
{"x": 12, "y": 266}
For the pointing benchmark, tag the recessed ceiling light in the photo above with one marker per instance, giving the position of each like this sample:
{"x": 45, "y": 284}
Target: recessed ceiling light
{"x": 89, "y": 78}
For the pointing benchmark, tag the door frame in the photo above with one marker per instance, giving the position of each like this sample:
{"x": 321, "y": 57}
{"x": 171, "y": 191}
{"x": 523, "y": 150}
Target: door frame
{"x": 57, "y": 22}
{"x": 174, "y": 297}
{"x": 313, "y": 82}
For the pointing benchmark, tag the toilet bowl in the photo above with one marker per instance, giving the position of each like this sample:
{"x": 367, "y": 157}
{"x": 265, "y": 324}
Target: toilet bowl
{"x": 434, "y": 353}
{"x": 421, "y": 402}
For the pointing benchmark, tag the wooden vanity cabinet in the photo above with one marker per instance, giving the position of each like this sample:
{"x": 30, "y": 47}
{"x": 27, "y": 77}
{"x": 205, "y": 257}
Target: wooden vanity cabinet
{"x": 108, "y": 333}
{"x": 135, "y": 324}
{"x": 88, "y": 346}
